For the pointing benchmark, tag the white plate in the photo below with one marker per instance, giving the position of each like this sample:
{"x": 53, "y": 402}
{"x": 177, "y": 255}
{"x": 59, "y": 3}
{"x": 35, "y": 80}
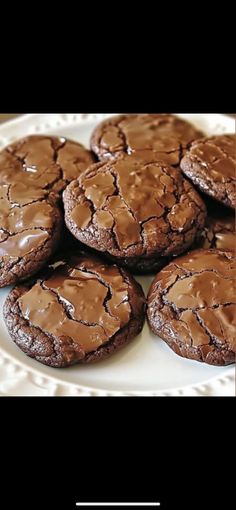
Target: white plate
{"x": 145, "y": 367}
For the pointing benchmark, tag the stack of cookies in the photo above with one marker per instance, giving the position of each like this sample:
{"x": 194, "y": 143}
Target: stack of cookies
{"x": 152, "y": 196}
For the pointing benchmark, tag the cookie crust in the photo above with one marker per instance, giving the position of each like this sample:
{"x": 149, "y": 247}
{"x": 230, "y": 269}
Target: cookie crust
{"x": 129, "y": 208}
{"x": 33, "y": 173}
{"x": 210, "y": 163}
{"x": 192, "y": 307}
{"x": 80, "y": 312}
{"x": 165, "y": 135}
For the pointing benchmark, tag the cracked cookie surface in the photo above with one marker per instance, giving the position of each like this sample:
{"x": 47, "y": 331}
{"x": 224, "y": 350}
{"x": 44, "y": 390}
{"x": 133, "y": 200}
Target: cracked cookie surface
{"x": 218, "y": 233}
{"x": 129, "y": 208}
{"x": 79, "y": 312}
{"x": 167, "y": 136}
{"x": 210, "y": 163}
{"x": 33, "y": 173}
{"x": 192, "y": 306}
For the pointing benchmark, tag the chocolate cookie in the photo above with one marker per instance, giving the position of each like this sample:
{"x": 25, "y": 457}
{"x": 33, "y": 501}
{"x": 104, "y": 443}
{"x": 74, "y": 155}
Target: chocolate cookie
{"x": 128, "y": 208}
{"x": 41, "y": 162}
{"x": 219, "y": 233}
{"x": 192, "y": 306}
{"x": 33, "y": 172}
{"x": 80, "y": 312}
{"x": 29, "y": 234}
{"x": 166, "y": 135}
{"x": 210, "y": 163}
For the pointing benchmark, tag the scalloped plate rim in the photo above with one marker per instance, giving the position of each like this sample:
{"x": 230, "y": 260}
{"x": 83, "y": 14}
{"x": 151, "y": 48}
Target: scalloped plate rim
{"x": 230, "y": 374}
